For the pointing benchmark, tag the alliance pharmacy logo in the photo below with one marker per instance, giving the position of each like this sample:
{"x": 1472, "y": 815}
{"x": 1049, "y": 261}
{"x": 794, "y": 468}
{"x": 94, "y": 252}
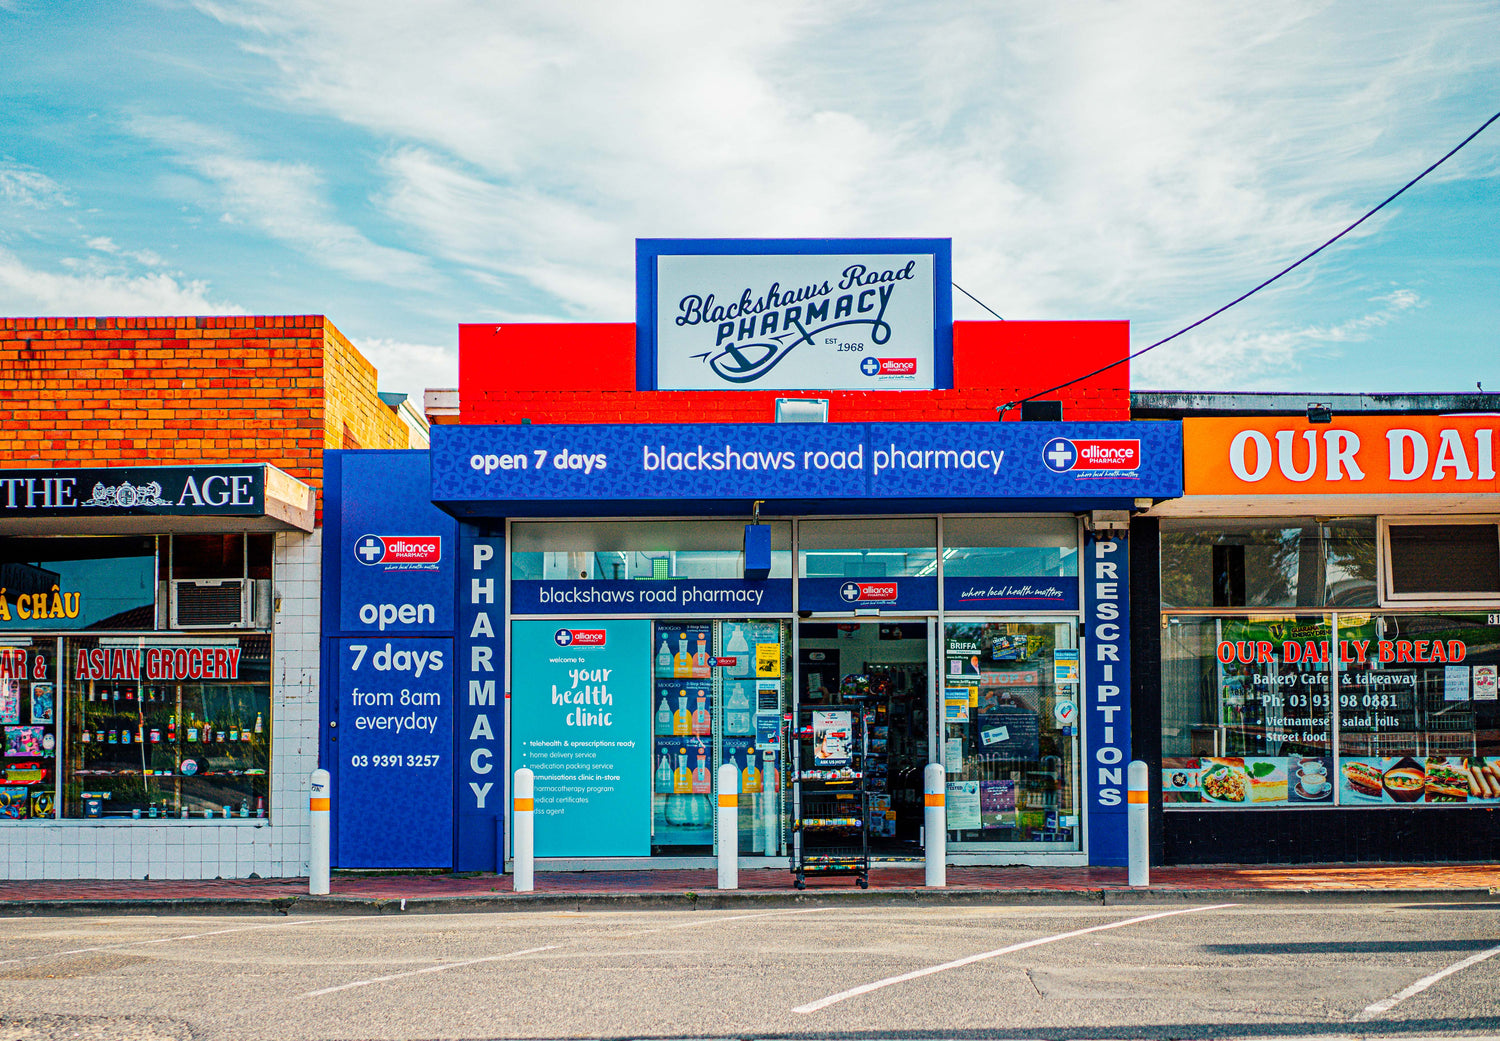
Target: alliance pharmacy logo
{"x": 1062, "y": 455}
{"x": 868, "y": 592}
{"x": 579, "y": 637}
{"x": 400, "y": 552}
{"x": 889, "y": 366}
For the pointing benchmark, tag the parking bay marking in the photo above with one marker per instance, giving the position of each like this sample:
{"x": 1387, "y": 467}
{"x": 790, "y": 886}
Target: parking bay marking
{"x": 443, "y": 967}
{"x": 1380, "y": 1008}
{"x": 854, "y": 992}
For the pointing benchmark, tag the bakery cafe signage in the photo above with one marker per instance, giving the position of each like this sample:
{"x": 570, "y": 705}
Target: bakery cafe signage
{"x": 224, "y": 491}
{"x": 1362, "y": 454}
{"x": 820, "y": 316}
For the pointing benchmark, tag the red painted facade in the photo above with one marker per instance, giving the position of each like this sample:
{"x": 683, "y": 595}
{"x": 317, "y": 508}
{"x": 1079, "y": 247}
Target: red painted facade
{"x": 586, "y": 374}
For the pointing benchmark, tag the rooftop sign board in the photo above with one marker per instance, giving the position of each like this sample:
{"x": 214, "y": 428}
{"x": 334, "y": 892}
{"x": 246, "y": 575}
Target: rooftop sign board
{"x": 793, "y": 314}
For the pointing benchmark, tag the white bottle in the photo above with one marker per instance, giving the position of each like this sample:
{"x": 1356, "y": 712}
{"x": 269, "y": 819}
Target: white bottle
{"x": 664, "y": 659}
{"x": 664, "y": 718}
{"x": 664, "y": 775}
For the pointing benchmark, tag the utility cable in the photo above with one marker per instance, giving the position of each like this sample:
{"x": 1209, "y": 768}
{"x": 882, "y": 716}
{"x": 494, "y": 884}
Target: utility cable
{"x": 976, "y": 299}
{"x": 1245, "y": 296}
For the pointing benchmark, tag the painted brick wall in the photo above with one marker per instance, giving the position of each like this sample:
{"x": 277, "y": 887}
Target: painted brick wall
{"x": 586, "y": 374}
{"x": 101, "y": 391}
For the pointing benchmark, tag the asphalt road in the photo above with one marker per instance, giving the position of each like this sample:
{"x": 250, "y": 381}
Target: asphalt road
{"x": 1021, "y": 972}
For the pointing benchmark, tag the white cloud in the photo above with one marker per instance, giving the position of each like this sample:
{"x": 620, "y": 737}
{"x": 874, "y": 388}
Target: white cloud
{"x": 1090, "y": 160}
{"x": 89, "y": 289}
{"x": 285, "y": 201}
{"x": 410, "y": 368}
{"x": 1263, "y": 358}
{"x": 24, "y": 186}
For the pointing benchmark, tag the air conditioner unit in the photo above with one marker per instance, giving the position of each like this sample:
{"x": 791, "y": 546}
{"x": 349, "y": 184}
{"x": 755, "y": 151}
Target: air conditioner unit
{"x": 214, "y": 603}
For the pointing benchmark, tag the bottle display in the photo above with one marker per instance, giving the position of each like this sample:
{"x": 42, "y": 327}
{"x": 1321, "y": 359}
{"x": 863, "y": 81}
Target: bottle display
{"x": 708, "y": 710}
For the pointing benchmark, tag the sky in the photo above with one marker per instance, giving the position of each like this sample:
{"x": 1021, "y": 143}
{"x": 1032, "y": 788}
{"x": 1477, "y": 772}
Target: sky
{"x": 404, "y": 167}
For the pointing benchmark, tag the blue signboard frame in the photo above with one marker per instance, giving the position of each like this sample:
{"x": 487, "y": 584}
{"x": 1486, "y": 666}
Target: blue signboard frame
{"x": 647, "y": 251}
{"x": 622, "y": 470}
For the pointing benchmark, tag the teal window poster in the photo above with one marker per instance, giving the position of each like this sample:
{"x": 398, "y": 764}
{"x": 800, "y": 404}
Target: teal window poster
{"x": 581, "y": 721}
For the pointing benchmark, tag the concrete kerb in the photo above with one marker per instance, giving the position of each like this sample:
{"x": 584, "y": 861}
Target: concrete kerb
{"x": 481, "y": 903}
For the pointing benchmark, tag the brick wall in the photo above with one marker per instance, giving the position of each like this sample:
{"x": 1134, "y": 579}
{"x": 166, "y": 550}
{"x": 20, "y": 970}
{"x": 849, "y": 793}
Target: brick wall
{"x": 353, "y": 417}
{"x": 586, "y": 374}
{"x": 181, "y": 390}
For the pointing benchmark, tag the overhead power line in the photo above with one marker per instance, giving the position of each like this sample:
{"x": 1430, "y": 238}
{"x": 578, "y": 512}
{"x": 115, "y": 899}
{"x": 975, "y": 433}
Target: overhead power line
{"x": 1246, "y": 295}
{"x": 976, "y": 299}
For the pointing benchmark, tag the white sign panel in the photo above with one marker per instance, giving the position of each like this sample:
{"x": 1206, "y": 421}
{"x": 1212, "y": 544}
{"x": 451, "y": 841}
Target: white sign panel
{"x": 795, "y": 322}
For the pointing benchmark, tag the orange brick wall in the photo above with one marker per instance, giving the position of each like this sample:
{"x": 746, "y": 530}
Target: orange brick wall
{"x": 182, "y": 390}
{"x": 353, "y": 417}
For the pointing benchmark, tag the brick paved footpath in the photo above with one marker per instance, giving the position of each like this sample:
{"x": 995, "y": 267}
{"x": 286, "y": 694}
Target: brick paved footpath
{"x": 453, "y": 891}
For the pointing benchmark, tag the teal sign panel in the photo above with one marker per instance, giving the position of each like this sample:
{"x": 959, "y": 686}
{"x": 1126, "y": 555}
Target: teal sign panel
{"x": 581, "y": 721}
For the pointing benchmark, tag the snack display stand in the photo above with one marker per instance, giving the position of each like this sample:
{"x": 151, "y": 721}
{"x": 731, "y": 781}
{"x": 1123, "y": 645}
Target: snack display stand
{"x": 830, "y": 801}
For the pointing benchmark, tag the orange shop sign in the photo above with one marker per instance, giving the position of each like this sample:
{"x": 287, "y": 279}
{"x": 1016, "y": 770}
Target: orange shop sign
{"x": 1358, "y": 455}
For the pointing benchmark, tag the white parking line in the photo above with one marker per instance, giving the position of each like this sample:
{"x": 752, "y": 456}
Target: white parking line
{"x": 1380, "y": 1008}
{"x": 166, "y": 939}
{"x": 443, "y": 967}
{"x": 854, "y": 992}
{"x": 431, "y": 968}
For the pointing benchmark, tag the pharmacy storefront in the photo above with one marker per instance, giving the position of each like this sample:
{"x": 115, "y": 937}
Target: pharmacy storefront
{"x": 1328, "y": 641}
{"x": 624, "y": 609}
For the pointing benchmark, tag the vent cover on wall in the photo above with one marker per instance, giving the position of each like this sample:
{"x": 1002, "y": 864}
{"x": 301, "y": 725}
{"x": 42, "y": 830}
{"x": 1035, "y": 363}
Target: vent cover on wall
{"x": 210, "y": 603}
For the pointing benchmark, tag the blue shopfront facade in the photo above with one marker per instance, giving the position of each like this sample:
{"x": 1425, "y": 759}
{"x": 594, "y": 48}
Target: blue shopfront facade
{"x": 624, "y": 608}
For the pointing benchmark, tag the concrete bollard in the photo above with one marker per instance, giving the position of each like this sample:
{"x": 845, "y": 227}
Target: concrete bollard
{"x": 729, "y": 826}
{"x": 1138, "y": 822}
{"x": 934, "y": 789}
{"x": 320, "y": 808}
{"x": 523, "y": 833}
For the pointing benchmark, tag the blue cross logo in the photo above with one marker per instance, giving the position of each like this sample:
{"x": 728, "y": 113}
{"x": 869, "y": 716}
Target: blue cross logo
{"x": 370, "y": 550}
{"x": 849, "y": 591}
{"x": 563, "y": 637}
{"x": 869, "y": 366}
{"x": 1059, "y": 455}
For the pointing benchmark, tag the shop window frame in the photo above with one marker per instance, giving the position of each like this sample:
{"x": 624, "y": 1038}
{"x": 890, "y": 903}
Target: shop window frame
{"x": 1336, "y": 672}
{"x": 1389, "y": 597}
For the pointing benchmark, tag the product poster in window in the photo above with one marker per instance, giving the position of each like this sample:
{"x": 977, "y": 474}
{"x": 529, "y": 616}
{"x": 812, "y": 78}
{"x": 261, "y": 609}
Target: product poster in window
{"x": 833, "y": 737}
{"x": 1441, "y": 780}
{"x": 683, "y": 651}
{"x": 582, "y": 717}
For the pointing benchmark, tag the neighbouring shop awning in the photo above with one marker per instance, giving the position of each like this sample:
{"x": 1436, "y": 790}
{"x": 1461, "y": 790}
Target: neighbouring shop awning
{"x": 154, "y": 499}
{"x": 799, "y": 468}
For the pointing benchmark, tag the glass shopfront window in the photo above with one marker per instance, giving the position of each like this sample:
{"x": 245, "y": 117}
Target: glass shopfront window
{"x": 167, "y": 726}
{"x": 1346, "y": 709}
{"x": 1010, "y": 723}
{"x": 130, "y": 719}
{"x": 1028, "y": 547}
{"x": 867, "y": 548}
{"x": 77, "y": 583}
{"x": 1247, "y": 715}
{"x": 627, "y": 550}
{"x": 1290, "y": 562}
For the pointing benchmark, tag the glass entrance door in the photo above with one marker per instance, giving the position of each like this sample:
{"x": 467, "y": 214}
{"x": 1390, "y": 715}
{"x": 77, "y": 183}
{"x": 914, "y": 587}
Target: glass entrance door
{"x": 1009, "y": 700}
{"x": 882, "y": 670}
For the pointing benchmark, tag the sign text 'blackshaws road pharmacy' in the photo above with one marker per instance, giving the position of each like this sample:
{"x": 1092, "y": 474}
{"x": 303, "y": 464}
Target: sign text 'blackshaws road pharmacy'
{"x": 850, "y": 320}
